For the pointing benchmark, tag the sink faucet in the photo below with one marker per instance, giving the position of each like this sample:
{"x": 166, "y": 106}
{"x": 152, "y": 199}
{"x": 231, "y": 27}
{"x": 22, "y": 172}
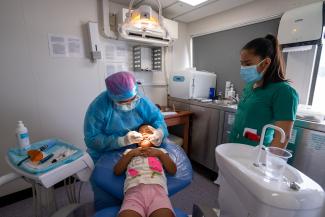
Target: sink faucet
{"x": 282, "y": 140}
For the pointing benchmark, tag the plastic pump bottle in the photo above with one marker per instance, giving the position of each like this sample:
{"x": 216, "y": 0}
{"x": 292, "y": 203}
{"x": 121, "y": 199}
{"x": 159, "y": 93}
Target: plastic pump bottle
{"x": 22, "y": 137}
{"x": 231, "y": 92}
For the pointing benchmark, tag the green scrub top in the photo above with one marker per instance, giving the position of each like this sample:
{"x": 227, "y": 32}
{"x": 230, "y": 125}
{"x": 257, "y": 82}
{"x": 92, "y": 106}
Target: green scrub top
{"x": 260, "y": 106}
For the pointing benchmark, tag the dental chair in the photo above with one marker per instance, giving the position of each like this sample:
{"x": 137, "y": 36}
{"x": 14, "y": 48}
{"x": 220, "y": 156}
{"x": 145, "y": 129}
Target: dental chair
{"x": 104, "y": 178}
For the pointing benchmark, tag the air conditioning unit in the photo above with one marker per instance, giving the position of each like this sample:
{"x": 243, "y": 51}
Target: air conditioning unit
{"x": 302, "y": 26}
{"x": 146, "y": 26}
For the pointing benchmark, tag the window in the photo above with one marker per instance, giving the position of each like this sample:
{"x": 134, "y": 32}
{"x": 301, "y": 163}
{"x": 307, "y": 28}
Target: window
{"x": 318, "y": 97}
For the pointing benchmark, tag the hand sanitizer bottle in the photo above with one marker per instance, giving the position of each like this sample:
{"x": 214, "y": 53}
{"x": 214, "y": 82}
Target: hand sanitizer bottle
{"x": 22, "y": 137}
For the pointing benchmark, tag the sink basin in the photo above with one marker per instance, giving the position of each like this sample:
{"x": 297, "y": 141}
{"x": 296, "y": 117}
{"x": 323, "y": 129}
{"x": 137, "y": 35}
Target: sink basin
{"x": 235, "y": 162}
{"x": 226, "y": 103}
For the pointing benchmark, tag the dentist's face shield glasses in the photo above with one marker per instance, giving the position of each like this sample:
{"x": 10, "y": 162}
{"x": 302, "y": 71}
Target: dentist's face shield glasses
{"x": 127, "y": 105}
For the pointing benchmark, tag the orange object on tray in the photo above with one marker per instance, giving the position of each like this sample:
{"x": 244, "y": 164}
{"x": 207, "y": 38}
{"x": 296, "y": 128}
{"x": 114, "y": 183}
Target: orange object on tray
{"x": 35, "y": 155}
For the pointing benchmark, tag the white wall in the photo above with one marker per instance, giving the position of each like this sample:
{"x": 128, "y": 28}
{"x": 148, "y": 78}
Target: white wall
{"x": 179, "y": 55}
{"x": 50, "y": 95}
{"x": 253, "y": 12}
{"x": 181, "y": 50}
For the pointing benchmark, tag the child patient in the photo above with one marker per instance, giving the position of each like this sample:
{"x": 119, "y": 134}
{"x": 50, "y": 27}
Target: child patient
{"x": 145, "y": 186}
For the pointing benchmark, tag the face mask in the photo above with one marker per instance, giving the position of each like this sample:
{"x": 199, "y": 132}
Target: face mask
{"x": 250, "y": 73}
{"x": 128, "y": 106}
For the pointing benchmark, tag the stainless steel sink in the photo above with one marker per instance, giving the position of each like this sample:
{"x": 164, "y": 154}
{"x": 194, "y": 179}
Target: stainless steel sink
{"x": 227, "y": 103}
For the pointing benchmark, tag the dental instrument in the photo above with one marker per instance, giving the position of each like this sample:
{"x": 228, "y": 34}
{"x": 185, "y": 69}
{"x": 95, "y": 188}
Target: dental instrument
{"x": 42, "y": 148}
{"x": 62, "y": 155}
{"x": 46, "y": 158}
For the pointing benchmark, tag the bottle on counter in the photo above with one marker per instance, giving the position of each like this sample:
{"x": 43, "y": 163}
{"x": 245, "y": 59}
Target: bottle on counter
{"x": 22, "y": 137}
{"x": 231, "y": 92}
{"x": 227, "y": 89}
{"x": 220, "y": 95}
{"x": 237, "y": 97}
{"x": 212, "y": 93}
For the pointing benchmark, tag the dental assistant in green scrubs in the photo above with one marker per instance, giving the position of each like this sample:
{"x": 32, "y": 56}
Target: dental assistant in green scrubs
{"x": 267, "y": 97}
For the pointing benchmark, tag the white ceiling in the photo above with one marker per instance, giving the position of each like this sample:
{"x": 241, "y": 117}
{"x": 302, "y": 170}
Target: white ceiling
{"x": 176, "y": 10}
{"x": 153, "y": 3}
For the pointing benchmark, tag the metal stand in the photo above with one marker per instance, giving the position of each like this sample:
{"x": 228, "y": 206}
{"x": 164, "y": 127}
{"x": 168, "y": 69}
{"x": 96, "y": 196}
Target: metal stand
{"x": 71, "y": 189}
{"x": 44, "y": 202}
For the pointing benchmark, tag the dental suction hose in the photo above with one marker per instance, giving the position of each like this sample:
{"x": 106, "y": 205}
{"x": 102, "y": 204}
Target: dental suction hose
{"x": 8, "y": 178}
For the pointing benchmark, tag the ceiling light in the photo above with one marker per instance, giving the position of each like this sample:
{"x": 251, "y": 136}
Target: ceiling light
{"x": 193, "y": 2}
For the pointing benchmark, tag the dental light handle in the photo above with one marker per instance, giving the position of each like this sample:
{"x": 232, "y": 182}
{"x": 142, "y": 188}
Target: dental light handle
{"x": 158, "y": 3}
{"x": 261, "y": 146}
{"x": 160, "y": 17}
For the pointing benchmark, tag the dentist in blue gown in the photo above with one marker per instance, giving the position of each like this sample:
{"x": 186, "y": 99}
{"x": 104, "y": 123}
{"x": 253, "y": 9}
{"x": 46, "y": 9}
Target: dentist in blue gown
{"x": 112, "y": 121}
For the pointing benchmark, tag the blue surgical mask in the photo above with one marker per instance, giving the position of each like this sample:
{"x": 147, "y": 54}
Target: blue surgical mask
{"x": 250, "y": 73}
{"x": 128, "y": 106}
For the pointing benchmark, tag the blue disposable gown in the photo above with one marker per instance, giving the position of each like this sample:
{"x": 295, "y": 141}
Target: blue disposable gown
{"x": 105, "y": 122}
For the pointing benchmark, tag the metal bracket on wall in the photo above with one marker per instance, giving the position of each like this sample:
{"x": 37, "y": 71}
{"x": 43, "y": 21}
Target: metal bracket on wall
{"x": 137, "y": 58}
{"x": 156, "y": 58}
{"x": 140, "y": 64}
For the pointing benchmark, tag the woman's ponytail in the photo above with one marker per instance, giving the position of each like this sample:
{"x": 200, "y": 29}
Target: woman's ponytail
{"x": 278, "y": 57}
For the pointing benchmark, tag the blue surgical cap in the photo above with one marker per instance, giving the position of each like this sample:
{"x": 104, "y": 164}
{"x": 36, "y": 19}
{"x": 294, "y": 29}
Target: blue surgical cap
{"x": 121, "y": 86}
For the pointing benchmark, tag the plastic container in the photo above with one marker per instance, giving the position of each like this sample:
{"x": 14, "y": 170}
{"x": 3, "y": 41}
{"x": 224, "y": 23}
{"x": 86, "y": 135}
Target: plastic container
{"x": 212, "y": 93}
{"x": 276, "y": 161}
{"x": 308, "y": 113}
{"x": 22, "y": 137}
{"x": 227, "y": 89}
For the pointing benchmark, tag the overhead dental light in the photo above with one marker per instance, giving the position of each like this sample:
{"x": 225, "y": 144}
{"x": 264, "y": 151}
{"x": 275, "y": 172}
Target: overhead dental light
{"x": 193, "y": 2}
{"x": 146, "y": 25}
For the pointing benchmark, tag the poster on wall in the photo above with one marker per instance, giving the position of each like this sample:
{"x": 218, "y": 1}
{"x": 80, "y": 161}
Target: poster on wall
{"x": 57, "y": 46}
{"x": 65, "y": 46}
{"x": 118, "y": 56}
{"x": 74, "y": 47}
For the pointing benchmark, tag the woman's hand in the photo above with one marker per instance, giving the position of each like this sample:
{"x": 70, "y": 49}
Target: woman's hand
{"x": 133, "y": 137}
{"x": 156, "y": 137}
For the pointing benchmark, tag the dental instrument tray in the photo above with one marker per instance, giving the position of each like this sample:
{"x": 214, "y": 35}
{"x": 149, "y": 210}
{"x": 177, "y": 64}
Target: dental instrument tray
{"x": 56, "y": 153}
